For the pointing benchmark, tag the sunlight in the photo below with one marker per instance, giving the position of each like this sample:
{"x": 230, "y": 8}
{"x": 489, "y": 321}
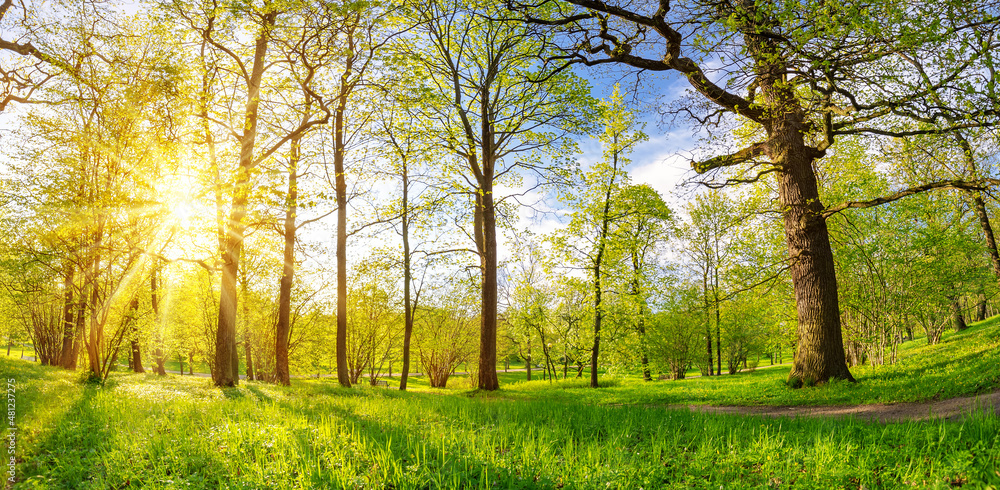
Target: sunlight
{"x": 180, "y": 214}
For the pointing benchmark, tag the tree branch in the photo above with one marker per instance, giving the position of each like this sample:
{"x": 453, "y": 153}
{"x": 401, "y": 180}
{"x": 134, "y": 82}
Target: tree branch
{"x": 973, "y": 185}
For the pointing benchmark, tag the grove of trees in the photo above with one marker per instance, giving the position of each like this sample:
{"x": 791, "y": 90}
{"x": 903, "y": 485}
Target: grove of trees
{"x": 280, "y": 188}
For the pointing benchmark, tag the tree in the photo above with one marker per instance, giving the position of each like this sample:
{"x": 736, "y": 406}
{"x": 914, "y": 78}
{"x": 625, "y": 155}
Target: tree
{"x": 495, "y": 107}
{"x": 641, "y": 232}
{"x": 590, "y": 238}
{"x": 811, "y": 73}
{"x": 445, "y": 337}
{"x": 248, "y": 73}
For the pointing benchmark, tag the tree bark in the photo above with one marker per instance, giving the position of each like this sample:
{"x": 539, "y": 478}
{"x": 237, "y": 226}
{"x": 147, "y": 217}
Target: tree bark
{"x": 136, "y": 352}
{"x": 158, "y": 356}
{"x": 981, "y": 308}
{"x": 94, "y": 335}
{"x": 488, "y": 319}
{"x": 288, "y": 273}
{"x": 820, "y": 353}
{"x": 341, "y": 190}
{"x": 408, "y": 309}
{"x": 956, "y": 314}
{"x": 247, "y": 350}
{"x": 69, "y": 326}
{"x": 708, "y": 321}
{"x": 527, "y": 364}
{"x": 226, "y": 358}
{"x": 598, "y": 263}
{"x": 718, "y": 320}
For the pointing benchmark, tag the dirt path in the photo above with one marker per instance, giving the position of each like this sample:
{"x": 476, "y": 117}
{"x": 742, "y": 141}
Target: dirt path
{"x": 952, "y": 409}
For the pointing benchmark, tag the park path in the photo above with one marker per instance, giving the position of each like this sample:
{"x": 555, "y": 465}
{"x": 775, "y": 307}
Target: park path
{"x": 950, "y": 409}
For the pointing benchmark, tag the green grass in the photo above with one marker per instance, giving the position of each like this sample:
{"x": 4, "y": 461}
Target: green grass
{"x": 144, "y": 431}
{"x": 149, "y": 432}
{"x": 15, "y": 351}
{"x": 964, "y": 363}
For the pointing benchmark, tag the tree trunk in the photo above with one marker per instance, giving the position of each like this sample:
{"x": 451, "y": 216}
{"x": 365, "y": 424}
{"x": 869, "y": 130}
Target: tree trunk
{"x": 598, "y": 316}
{"x": 408, "y": 309}
{"x": 819, "y": 356}
{"x": 981, "y": 308}
{"x": 339, "y": 142}
{"x": 984, "y": 222}
{"x": 69, "y": 327}
{"x": 78, "y": 339}
{"x": 718, "y": 328}
{"x": 226, "y": 357}
{"x": 136, "y": 354}
{"x": 641, "y": 319}
{"x": 956, "y": 314}
{"x": 598, "y": 263}
{"x": 247, "y": 352}
{"x": 708, "y": 321}
{"x": 488, "y": 319}
{"x": 288, "y": 272}
{"x": 94, "y": 336}
{"x": 527, "y": 364}
{"x": 159, "y": 357}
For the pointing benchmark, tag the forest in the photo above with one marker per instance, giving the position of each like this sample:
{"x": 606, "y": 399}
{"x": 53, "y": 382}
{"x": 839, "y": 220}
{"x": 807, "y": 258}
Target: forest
{"x": 544, "y": 243}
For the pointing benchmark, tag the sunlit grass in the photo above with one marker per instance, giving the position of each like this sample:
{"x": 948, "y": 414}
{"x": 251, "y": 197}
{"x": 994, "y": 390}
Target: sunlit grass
{"x": 180, "y": 432}
{"x": 964, "y": 363}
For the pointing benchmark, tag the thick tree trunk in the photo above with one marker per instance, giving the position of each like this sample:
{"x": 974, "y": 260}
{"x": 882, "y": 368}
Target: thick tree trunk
{"x": 488, "y": 319}
{"x": 819, "y": 356}
{"x": 288, "y": 272}
{"x": 956, "y": 314}
{"x": 984, "y": 222}
{"x": 226, "y": 357}
{"x": 527, "y": 364}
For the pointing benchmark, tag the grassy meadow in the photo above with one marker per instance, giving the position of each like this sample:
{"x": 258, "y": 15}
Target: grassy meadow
{"x": 143, "y": 431}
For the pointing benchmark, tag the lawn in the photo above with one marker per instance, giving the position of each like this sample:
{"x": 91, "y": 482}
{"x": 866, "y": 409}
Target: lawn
{"x": 144, "y": 431}
{"x": 963, "y": 363}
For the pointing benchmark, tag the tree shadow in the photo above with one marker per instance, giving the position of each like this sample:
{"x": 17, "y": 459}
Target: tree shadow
{"x": 444, "y": 465}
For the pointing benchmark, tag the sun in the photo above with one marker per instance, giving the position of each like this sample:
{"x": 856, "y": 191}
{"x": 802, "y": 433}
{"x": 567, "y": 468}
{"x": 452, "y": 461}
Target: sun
{"x": 184, "y": 216}
{"x": 181, "y": 214}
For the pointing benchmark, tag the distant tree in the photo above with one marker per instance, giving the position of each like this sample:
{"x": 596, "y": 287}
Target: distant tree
{"x": 599, "y": 209}
{"x": 445, "y": 336}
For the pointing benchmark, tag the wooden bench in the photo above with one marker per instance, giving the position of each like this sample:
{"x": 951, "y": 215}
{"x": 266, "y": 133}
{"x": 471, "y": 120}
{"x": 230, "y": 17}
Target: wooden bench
{"x": 382, "y": 383}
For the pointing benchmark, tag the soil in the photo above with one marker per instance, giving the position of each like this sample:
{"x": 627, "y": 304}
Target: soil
{"x": 951, "y": 409}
